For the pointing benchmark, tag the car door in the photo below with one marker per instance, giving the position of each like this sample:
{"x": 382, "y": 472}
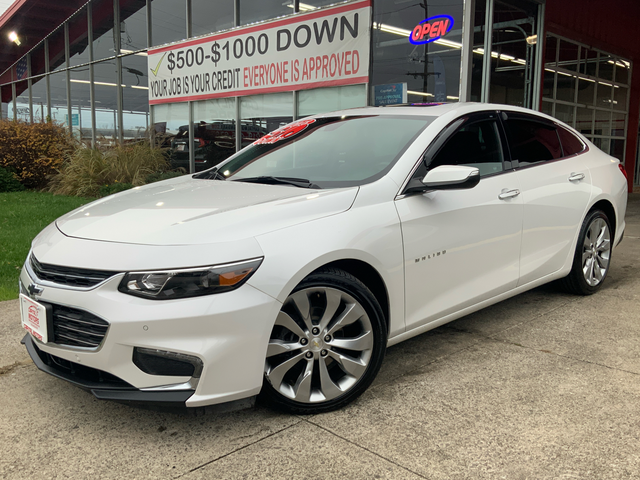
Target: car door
{"x": 556, "y": 189}
{"x": 461, "y": 246}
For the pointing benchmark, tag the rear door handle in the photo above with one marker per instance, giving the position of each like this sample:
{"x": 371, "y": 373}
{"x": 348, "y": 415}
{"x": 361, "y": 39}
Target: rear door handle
{"x": 576, "y": 177}
{"x": 509, "y": 194}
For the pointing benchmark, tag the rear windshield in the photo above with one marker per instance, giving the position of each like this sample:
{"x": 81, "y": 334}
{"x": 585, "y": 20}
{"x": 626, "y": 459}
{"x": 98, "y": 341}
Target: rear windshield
{"x": 329, "y": 152}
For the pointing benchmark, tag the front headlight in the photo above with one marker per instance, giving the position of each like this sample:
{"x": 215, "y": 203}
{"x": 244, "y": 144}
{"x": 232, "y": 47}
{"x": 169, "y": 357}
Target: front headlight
{"x": 191, "y": 282}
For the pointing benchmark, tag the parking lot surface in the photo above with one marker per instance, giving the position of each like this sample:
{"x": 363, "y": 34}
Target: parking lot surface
{"x": 544, "y": 385}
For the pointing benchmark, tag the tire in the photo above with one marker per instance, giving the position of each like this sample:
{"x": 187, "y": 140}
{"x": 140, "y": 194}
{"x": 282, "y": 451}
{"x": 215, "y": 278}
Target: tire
{"x": 326, "y": 346}
{"x": 592, "y": 258}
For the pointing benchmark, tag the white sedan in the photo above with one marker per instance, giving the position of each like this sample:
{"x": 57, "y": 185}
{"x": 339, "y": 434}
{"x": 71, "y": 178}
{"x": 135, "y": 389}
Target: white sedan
{"x": 288, "y": 269}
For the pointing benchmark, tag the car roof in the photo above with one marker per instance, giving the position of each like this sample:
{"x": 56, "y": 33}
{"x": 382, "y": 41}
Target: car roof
{"x": 434, "y": 110}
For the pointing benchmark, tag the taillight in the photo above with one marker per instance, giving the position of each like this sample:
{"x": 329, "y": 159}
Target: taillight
{"x": 624, "y": 172}
{"x": 201, "y": 142}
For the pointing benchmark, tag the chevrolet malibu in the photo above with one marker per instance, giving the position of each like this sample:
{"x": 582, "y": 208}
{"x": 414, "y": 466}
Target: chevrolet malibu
{"x": 288, "y": 269}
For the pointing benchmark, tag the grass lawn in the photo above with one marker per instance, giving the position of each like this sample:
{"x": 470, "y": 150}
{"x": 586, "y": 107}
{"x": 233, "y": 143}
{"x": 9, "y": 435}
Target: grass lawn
{"x": 22, "y": 216}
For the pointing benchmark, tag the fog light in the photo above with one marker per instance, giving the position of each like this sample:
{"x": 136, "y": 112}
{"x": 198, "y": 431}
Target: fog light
{"x": 171, "y": 364}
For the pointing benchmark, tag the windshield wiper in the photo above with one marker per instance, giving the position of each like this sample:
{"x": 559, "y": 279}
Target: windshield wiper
{"x": 212, "y": 174}
{"x": 296, "y": 182}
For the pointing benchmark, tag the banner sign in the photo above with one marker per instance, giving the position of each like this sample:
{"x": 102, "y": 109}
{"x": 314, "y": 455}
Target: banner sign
{"x": 322, "y": 48}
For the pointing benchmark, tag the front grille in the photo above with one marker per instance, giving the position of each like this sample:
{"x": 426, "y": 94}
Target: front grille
{"x": 72, "y": 277}
{"x": 77, "y": 328}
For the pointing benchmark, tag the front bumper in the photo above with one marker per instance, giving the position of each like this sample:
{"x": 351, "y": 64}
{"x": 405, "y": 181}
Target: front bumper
{"x": 228, "y": 332}
{"x": 101, "y": 384}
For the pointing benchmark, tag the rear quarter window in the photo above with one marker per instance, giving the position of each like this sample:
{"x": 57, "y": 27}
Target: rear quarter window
{"x": 571, "y": 145}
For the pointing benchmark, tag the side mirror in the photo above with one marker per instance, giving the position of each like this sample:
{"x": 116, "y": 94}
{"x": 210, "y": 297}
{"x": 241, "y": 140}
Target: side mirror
{"x": 446, "y": 177}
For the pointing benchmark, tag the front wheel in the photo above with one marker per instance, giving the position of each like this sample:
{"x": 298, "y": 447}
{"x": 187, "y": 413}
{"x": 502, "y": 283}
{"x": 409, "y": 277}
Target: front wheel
{"x": 593, "y": 255}
{"x": 326, "y": 346}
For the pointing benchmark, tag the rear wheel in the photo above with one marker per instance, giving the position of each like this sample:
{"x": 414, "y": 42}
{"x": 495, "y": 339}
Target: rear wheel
{"x": 326, "y": 346}
{"x": 593, "y": 255}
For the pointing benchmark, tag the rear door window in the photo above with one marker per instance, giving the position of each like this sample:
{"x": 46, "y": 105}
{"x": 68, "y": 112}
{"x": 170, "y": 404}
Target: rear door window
{"x": 531, "y": 141}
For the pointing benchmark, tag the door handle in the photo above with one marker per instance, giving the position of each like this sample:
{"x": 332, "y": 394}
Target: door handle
{"x": 509, "y": 194}
{"x": 576, "y": 177}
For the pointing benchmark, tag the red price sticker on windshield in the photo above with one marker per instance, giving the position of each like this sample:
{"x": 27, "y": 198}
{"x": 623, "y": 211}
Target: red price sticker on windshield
{"x": 285, "y": 132}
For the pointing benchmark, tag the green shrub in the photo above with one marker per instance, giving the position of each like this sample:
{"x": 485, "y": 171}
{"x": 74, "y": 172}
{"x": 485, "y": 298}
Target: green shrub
{"x": 88, "y": 170}
{"x": 106, "y": 190}
{"x": 159, "y": 176}
{"x": 33, "y": 150}
{"x": 9, "y": 182}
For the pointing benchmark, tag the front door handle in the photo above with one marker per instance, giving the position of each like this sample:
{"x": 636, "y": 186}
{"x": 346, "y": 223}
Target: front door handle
{"x": 576, "y": 177}
{"x": 509, "y": 194}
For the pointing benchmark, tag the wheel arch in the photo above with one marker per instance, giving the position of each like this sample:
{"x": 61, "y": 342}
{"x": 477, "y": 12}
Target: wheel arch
{"x": 371, "y": 278}
{"x": 607, "y": 207}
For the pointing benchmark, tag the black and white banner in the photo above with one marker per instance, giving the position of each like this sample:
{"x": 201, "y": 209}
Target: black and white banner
{"x": 327, "y": 47}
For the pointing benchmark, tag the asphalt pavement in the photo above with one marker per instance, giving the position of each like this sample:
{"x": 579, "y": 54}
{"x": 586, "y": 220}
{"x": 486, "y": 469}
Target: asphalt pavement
{"x": 545, "y": 385}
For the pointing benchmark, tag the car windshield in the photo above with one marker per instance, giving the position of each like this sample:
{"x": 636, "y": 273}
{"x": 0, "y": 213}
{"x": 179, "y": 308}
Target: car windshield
{"x": 325, "y": 152}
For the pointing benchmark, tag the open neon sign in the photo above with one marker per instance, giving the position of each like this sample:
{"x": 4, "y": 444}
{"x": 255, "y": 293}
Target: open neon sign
{"x": 431, "y": 29}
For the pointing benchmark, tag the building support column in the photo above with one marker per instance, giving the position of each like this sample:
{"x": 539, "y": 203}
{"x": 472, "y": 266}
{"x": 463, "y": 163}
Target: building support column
{"x": 467, "y": 51}
{"x": 486, "y": 58}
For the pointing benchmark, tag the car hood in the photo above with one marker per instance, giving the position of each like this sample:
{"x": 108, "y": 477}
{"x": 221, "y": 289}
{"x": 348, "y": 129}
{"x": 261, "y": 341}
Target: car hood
{"x": 187, "y": 211}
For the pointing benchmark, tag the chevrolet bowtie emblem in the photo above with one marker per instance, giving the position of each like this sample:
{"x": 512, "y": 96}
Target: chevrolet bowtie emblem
{"x": 34, "y": 289}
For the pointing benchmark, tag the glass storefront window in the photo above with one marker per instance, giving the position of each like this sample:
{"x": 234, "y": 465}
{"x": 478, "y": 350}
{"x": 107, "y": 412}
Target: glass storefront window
{"x": 584, "y": 120}
{"x": 133, "y": 25}
{"x": 169, "y": 19}
{"x": 605, "y": 66}
{"x": 257, "y": 10}
{"x": 37, "y": 60}
{"x": 311, "y": 4}
{"x": 102, "y": 21}
{"x": 620, "y": 98}
{"x": 588, "y": 61}
{"x": 565, "y": 88}
{"x": 601, "y": 103}
{"x": 58, "y": 89}
{"x": 622, "y": 71}
{"x": 135, "y": 96}
{"x": 78, "y": 38}
{"x": 565, "y": 113}
{"x": 431, "y": 70}
{"x": 512, "y": 57}
{"x": 105, "y": 94}
{"x": 57, "y": 59}
{"x": 214, "y": 129}
{"x": 322, "y": 100}
{"x": 604, "y": 97}
{"x": 568, "y": 56}
{"x": 80, "y": 103}
{"x": 261, "y": 114}
{"x": 602, "y": 123}
{"x": 7, "y": 96}
{"x": 586, "y": 89}
{"x": 22, "y": 101}
{"x": 618, "y": 124}
{"x": 208, "y": 17}
{"x": 39, "y": 98}
{"x": 170, "y": 129}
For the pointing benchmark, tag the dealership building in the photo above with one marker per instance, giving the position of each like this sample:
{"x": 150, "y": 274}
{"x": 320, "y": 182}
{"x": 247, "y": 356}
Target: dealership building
{"x": 225, "y": 72}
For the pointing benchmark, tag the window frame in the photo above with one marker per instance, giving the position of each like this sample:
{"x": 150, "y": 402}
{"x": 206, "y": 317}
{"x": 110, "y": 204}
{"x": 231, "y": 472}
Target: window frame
{"x": 420, "y": 168}
{"x": 505, "y": 115}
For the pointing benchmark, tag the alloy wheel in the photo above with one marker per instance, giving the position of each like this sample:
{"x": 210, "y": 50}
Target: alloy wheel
{"x": 596, "y": 252}
{"x": 320, "y": 346}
